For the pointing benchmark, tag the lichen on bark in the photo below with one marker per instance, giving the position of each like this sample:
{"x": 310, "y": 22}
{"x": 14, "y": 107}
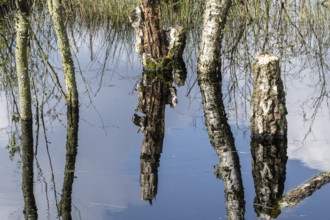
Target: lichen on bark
{"x": 56, "y": 10}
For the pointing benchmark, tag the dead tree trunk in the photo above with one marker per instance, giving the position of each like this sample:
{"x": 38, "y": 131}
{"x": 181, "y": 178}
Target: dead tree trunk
{"x": 155, "y": 90}
{"x": 296, "y": 195}
{"x": 268, "y": 135}
{"x": 209, "y": 80}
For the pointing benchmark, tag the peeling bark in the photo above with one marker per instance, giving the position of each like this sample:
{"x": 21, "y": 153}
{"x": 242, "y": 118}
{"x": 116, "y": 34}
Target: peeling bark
{"x": 268, "y": 135}
{"x": 65, "y": 205}
{"x": 56, "y": 10}
{"x": 209, "y": 80}
{"x": 155, "y": 42}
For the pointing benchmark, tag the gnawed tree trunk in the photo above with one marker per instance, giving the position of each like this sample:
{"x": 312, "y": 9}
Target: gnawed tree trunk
{"x": 65, "y": 204}
{"x": 268, "y": 135}
{"x": 209, "y": 80}
{"x": 56, "y": 10}
{"x": 268, "y": 109}
{"x": 22, "y": 49}
{"x": 159, "y": 59}
{"x": 296, "y": 195}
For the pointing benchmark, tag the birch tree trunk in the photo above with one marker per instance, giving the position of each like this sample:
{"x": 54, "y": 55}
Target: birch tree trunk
{"x": 22, "y": 53}
{"x": 56, "y": 9}
{"x": 22, "y": 60}
{"x": 268, "y": 135}
{"x": 209, "y": 80}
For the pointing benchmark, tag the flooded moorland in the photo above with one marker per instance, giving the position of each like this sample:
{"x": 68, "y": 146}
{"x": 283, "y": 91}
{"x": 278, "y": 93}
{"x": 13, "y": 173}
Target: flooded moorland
{"x": 174, "y": 109}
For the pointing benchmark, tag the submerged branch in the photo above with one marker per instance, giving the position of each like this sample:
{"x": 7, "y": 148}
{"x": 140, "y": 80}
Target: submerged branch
{"x": 296, "y": 195}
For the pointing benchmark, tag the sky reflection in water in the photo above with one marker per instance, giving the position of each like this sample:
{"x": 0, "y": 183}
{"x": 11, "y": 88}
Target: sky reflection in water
{"x": 108, "y": 162}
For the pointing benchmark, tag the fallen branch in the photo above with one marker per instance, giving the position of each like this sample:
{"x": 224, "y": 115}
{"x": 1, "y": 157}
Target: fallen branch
{"x": 296, "y": 195}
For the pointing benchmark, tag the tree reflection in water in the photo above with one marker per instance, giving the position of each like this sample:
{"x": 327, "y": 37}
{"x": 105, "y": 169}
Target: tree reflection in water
{"x": 65, "y": 204}
{"x": 30, "y": 208}
{"x": 161, "y": 57}
{"x": 210, "y": 83}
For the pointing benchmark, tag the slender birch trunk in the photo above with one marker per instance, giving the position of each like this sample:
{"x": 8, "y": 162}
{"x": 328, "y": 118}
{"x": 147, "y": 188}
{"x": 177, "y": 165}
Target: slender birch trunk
{"x": 22, "y": 62}
{"x": 55, "y": 8}
{"x": 209, "y": 80}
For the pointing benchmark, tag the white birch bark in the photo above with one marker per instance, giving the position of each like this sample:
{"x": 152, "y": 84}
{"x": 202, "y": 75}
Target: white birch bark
{"x": 23, "y": 78}
{"x": 55, "y": 8}
{"x": 268, "y": 135}
{"x": 209, "y": 79}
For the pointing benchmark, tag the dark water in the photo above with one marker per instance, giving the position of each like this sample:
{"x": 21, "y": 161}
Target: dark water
{"x": 107, "y": 185}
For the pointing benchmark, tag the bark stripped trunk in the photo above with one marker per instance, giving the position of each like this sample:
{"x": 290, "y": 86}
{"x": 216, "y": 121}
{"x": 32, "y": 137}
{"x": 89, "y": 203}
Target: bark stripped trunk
{"x": 154, "y": 38}
{"x": 56, "y": 9}
{"x": 71, "y": 153}
{"x": 209, "y": 80}
{"x": 22, "y": 49}
{"x": 155, "y": 90}
{"x": 268, "y": 135}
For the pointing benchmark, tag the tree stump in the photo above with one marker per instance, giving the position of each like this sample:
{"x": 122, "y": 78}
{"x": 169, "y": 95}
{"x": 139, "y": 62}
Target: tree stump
{"x": 268, "y": 135}
{"x": 161, "y": 57}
